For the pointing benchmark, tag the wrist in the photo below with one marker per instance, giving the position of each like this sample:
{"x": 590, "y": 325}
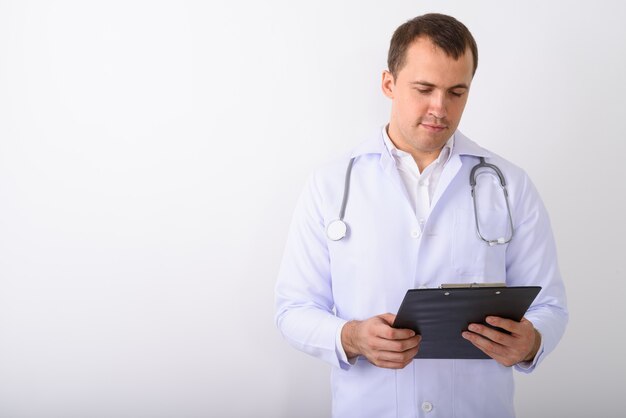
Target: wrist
{"x": 348, "y": 338}
{"x": 537, "y": 343}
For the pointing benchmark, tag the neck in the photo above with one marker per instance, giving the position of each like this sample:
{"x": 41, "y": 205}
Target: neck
{"x": 423, "y": 158}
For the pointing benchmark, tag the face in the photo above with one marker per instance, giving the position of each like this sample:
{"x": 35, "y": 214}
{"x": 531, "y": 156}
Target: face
{"x": 428, "y": 96}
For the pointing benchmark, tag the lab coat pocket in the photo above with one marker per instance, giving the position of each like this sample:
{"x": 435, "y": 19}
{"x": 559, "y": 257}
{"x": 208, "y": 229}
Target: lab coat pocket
{"x": 364, "y": 391}
{"x": 472, "y": 257}
{"x": 472, "y": 378}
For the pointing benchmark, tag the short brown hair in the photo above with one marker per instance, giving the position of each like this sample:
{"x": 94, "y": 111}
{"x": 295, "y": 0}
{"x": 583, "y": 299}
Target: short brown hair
{"x": 446, "y": 32}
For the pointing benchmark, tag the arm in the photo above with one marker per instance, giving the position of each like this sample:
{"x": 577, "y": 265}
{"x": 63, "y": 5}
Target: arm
{"x": 305, "y": 306}
{"x": 303, "y": 294}
{"x": 531, "y": 260}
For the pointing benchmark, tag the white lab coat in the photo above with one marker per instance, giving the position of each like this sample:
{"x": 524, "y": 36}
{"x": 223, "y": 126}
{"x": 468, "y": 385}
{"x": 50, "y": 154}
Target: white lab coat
{"x": 322, "y": 283}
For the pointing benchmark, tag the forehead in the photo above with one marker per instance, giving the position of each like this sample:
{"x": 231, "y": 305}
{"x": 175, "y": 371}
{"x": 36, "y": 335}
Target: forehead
{"x": 427, "y": 62}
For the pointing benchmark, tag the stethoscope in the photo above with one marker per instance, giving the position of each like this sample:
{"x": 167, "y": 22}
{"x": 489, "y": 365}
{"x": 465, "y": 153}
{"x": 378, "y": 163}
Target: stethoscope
{"x": 337, "y": 229}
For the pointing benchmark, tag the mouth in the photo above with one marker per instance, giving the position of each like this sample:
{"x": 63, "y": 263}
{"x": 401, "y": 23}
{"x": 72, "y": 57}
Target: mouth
{"x": 433, "y": 127}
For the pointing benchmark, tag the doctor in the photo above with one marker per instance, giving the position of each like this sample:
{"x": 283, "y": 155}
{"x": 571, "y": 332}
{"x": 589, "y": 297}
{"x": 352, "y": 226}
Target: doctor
{"x": 409, "y": 222}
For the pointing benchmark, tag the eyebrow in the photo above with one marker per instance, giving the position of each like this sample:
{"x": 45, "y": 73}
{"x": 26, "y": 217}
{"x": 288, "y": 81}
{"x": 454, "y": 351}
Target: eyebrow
{"x": 427, "y": 84}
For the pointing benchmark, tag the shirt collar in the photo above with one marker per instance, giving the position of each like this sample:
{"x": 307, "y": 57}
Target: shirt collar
{"x": 402, "y": 156}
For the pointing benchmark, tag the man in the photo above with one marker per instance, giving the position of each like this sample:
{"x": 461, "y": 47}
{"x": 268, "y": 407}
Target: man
{"x": 411, "y": 224}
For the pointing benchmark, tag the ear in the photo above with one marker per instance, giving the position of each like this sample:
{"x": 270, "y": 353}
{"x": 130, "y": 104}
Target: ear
{"x": 388, "y": 84}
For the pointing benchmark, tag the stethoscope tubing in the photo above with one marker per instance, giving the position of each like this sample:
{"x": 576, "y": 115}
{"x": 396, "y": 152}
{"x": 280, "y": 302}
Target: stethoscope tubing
{"x": 473, "y": 173}
{"x": 337, "y": 229}
{"x": 346, "y": 189}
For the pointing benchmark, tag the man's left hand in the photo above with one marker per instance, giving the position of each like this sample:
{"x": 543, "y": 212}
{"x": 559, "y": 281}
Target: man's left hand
{"x": 521, "y": 345}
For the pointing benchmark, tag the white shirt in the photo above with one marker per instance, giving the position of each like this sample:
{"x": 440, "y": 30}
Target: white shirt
{"x": 419, "y": 186}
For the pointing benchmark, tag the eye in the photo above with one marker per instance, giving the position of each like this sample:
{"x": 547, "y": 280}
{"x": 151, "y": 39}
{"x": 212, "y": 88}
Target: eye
{"x": 424, "y": 91}
{"x": 457, "y": 93}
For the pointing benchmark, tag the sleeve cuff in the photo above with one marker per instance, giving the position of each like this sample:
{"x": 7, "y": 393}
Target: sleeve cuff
{"x": 529, "y": 366}
{"x": 344, "y": 362}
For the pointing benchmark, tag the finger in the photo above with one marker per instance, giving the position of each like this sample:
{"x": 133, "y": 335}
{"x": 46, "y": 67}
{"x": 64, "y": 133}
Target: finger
{"x": 397, "y": 334}
{"x": 507, "y": 324}
{"x": 479, "y": 341}
{"x": 492, "y": 334}
{"x": 384, "y": 330}
{"x": 390, "y": 365}
{"x": 396, "y": 346}
{"x": 393, "y": 360}
{"x": 394, "y": 356}
{"x": 486, "y": 345}
{"x": 499, "y": 353}
{"x": 388, "y": 318}
{"x": 519, "y": 330}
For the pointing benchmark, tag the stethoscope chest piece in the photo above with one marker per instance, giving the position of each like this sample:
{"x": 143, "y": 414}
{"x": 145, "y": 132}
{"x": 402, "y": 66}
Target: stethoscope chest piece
{"x": 336, "y": 230}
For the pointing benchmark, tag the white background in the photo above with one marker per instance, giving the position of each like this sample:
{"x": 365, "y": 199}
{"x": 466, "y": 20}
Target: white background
{"x": 151, "y": 154}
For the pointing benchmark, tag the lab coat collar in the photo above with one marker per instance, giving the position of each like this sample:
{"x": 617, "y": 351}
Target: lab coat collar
{"x": 374, "y": 145}
{"x": 465, "y": 146}
{"x": 462, "y": 146}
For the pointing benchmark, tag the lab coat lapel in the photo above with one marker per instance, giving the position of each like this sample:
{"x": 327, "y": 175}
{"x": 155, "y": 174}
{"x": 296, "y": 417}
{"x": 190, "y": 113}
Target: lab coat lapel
{"x": 388, "y": 166}
{"x": 447, "y": 175}
{"x": 462, "y": 146}
{"x": 376, "y": 145}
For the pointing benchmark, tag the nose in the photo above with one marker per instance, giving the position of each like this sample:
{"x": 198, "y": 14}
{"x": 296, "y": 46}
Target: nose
{"x": 437, "y": 108}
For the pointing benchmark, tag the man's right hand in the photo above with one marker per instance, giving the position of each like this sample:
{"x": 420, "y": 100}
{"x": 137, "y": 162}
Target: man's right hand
{"x": 381, "y": 344}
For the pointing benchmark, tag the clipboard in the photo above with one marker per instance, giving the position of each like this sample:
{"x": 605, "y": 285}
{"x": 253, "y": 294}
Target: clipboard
{"x": 440, "y": 315}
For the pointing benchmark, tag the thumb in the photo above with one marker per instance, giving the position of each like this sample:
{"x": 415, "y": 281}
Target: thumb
{"x": 388, "y": 318}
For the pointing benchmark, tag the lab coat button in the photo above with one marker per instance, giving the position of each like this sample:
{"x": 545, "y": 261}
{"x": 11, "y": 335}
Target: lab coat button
{"x": 427, "y": 406}
{"x": 416, "y": 233}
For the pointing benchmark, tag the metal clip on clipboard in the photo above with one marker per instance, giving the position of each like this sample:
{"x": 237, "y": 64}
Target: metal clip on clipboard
{"x": 470, "y": 285}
